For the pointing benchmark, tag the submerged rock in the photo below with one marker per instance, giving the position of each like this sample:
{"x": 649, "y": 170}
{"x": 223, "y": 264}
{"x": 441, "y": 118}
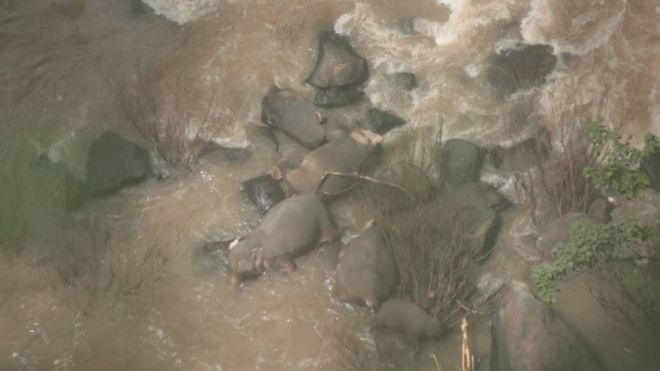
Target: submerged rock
{"x": 381, "y": 122}
{"x": 284, "y": 110}
{"x": 405, "y": 80}
{"x": 406, "y": 317}
{"x": 114, "y": 162}
{"x": 337, "y": 64}
{"x": 367, "y": 271}
{"x": 520, "y": 68}
{"x": 337, "y": 97}
{"x": 460, "y": 162}
{"x": 263, "y": 191}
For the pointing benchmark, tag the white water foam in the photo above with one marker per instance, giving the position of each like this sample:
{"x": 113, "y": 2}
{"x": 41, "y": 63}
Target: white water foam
{"x": 537, "y": 26}
{"x": 182, "y": 11}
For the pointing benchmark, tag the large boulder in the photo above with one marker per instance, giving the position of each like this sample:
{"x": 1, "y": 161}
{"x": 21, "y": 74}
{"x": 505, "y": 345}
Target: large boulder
{"x": 337, "y": 64}
{"x": 460, "y": 162}
{"x": 521, "y": 67}
{"x": 114, "y": 162}
{"x": 527, "y": 335}
{"x": 285, "y": 110}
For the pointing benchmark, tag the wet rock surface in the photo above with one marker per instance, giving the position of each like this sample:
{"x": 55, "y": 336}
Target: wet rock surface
{"x": 651, "y": 167}
{"x": 527, "y": 335}
{"x": 114, "y": 162}
{"x": 263, "y": 191}
{"x": 381, "y": 122}
{"x": 367, "y": 272}
{"x": 460, "y": 162}
{"x": 337, "y": 64}
{"x": 520, "y": 68}
{"x": 285, "y": 110}
{"x": 338, "y": 97}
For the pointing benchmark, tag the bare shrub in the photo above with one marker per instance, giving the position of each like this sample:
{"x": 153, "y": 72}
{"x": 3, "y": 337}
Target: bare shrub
{"x": 174, "y": 115}
{"x": 97, "y": 262}
{"x": 558, "y": 176}
{"x": 427, "y": 240}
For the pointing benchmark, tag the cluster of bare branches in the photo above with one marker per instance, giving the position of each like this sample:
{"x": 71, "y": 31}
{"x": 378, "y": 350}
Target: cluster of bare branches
{"x": 427, "y": 239}
{"x": 558, "y": 177}
{"x": 96, "y": 261}
{"x": 171, "y": 116}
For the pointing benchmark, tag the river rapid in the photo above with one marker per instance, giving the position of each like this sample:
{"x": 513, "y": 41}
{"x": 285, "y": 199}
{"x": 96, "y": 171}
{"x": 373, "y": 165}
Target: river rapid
{"x": 118, "y": 286}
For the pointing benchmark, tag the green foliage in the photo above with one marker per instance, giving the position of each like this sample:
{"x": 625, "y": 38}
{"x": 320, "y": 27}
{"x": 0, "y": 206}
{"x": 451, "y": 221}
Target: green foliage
{"x": 593, "y": 245}
{"x": 618, "y": 161}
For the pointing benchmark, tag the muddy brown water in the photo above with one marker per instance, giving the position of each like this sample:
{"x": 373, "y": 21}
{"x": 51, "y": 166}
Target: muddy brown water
{"x": 115, "y": 287}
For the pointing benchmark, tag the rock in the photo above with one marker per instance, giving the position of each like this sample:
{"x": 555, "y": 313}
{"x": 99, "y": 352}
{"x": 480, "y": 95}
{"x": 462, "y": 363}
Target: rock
{"x": 367, "y": 272}
{"x": 522, "y": 155}
{"x": 520, "y": 68}
{"x": 479, "y": 210}
{"x": 405, "y": 80}
{"x": 558, "y": 230}
{"x": 337, "y": 64}
{"x": 460, "y": 162}
{"x": 346, "y": 155}
{"x": 337, "y": 97}
{"x": 381, "y": 122}
{"x": 645, "y": 208}
{"x": 526, "y": 335}
{"x": 114, "y": 162}
{"x": 293, "y": 115}
{"x": 651, "y": 167}
{"x": 263, "y": 191}
{"x": 292, "y": 228}
{"x": 406, "y": 317}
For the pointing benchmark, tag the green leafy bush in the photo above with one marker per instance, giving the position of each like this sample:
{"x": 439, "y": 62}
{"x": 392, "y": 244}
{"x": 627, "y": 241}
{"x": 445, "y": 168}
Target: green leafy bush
{"x": 592, "y": 245}
{"x": 618, "y": 160}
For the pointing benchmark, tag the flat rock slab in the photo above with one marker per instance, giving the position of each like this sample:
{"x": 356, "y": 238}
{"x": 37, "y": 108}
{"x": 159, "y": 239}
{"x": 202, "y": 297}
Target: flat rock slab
{"x": 300, "y": 119}
{"x": 338, "y": 97}
{"x": 337, "y": 64}
{"x": 114, "y": 162}
{"x": 521, "y": 67}
{"x": 263, "y": 191}
{"x": 460, "y": 162}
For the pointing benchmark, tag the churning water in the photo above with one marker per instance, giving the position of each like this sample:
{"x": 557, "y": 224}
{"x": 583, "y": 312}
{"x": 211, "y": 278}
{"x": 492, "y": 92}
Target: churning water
{"x": 117, "y": 286}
